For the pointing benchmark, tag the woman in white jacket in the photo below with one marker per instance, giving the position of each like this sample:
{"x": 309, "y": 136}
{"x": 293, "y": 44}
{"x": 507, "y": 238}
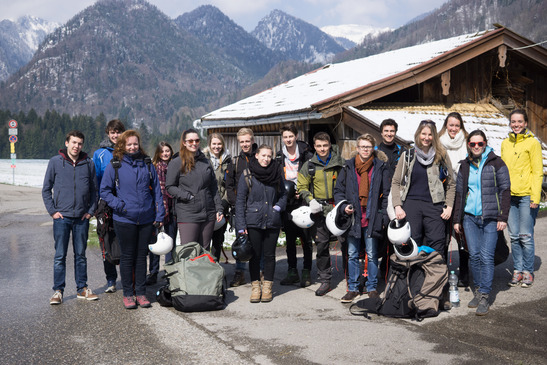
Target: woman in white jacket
{"x": 453, "y": 137}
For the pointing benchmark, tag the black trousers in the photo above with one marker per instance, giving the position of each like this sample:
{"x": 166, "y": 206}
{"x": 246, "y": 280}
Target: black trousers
{"x": 428, "y": 228}
{"x": 264, "y": 243}
{"x": 292, "y": 231}
{"x": 321, "y": 236}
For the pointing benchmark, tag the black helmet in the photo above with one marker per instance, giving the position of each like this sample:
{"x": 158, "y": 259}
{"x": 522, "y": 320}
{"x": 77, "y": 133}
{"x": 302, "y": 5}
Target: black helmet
{"x": 242, "y": 250}
{"x": 163, "y": 296}
{"x": 290, "y": 188}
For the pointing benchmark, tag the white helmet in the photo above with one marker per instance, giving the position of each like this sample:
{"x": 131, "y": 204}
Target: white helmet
{"x": 302, "y": 217}
{"x": 218, "y": 225}
{"x": 338, "y": 221}
{"x": 407, "y": 250}
{"x": 398, "y": 231}
{"x": 163, "y": 245}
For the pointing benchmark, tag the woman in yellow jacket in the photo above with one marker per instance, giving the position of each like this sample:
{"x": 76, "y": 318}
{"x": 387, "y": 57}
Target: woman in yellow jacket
{"x": 521, "y": 152}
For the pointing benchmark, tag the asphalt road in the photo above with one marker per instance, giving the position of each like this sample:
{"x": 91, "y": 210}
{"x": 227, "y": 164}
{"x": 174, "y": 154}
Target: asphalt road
{"x": 295, "y": 328}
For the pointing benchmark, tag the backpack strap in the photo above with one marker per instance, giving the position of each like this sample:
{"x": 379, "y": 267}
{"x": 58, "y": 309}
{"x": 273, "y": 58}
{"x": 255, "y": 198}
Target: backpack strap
{"x": 311, "y": 174}
{"x": 247, "y": 176}
{"x": 116, "y": 164}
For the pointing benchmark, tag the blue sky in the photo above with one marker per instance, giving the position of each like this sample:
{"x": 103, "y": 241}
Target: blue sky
{"x": 247, "y": 13}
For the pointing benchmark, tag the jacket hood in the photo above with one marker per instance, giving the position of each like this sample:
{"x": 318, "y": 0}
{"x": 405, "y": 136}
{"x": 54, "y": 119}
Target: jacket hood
{"x": 107, "y": 143}
{"x": 516, "y": 138}
{"x": 64, "y": 153}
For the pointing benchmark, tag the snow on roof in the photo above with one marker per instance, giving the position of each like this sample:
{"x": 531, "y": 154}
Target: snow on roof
{"x": 475, "y": 116}
{"x": 300, "y": 93}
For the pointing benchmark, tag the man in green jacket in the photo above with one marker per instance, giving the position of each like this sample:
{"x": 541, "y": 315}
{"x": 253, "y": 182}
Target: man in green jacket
{"x": 315, "y": 184}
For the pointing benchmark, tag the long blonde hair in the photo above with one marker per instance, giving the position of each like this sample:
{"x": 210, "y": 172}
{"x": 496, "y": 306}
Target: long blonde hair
{"x": 440, "y": 151}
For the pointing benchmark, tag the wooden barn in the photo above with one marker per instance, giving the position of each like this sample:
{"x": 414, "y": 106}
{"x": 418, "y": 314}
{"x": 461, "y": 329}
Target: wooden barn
{"x": 483, "y": 76}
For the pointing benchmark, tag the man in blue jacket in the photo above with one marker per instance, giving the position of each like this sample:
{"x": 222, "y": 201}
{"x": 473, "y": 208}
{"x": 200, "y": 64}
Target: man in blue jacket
{"x": 70, "y": 196}
{"x": 101, "y": 159}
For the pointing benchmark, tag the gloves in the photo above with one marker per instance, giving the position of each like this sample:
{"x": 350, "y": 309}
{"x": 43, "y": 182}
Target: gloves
{"x": 315, "y": 206}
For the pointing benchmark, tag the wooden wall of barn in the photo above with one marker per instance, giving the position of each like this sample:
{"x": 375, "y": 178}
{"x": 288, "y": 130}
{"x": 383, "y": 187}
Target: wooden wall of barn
{"x": 520, "y": 84}
{"x": 263, "y": 134}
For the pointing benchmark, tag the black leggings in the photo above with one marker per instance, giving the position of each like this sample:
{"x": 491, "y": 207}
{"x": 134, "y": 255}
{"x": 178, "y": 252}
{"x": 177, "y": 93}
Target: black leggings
{"x": 201, "y": 232}
{"x": 264, "y": 243}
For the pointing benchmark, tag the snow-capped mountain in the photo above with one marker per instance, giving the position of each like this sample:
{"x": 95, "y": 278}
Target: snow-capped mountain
{"x": 224, "y": 36}
{"x": 19, "y": 40}
{"x": 352, "y": 32}
{"x": 295, "y": 38}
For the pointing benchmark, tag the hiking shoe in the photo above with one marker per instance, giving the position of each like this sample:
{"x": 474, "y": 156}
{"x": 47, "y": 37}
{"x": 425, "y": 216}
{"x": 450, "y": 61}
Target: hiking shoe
{"x": 482, "y": 309}
{"x": 373, "y": 294}
{"x": 474, "y": 303}
{"x": 239, "y": 279}
{"x": 527, "y": 279}
{"x": 129, "y": 302}
{"x": 516, "y": 280}
{"x": 305, "y": 279}
{"x": 110, "y": 286}
{"x": 324, "y": 288}
{"x": 87, "y": 294}
{"x": 57, "y": 298}
{"x": 151, "y": 279}
{"x": 143, "y": 301}
{"x": 349, "y": 297}
{"x": 291, "y": 278}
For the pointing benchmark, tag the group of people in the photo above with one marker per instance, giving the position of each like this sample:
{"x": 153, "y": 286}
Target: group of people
{"x": 450, "y": 182}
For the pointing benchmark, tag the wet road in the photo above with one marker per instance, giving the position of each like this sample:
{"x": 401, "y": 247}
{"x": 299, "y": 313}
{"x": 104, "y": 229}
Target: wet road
{"x": 295, "y": 328}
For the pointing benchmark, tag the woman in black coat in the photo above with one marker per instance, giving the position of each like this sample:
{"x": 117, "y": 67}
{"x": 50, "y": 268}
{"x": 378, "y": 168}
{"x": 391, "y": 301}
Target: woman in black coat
{"x": 192, "y": 183}
{"x": 261, "y": 198}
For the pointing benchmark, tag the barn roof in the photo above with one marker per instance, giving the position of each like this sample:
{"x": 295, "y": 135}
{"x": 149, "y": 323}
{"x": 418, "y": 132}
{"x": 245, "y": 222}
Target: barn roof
{"x": 341, "y": 84}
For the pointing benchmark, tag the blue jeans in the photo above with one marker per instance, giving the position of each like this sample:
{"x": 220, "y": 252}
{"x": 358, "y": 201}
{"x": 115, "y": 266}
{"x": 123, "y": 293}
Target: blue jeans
{"x": 354, "y": 269}
{"x": 520, "y": 224}
{"x": 61, "y": 233}
{"x": 482, "y": 237}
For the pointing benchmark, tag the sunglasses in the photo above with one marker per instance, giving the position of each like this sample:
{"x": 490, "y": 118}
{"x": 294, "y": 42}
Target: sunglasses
{"x": 189, "y": 141}
{"x": 473, "y": 144}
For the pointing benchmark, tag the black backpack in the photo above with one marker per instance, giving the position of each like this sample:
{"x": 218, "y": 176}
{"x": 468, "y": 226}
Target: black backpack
{"x": 413, "y": 289}
{"x": 110, "y": 246}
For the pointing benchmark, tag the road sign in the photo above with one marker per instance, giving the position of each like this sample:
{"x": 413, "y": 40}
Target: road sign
{"x": 12, "y": 166}
{"x": 12, "y": 131}
{"x": 13, "y": 156}
{"x": 13, "y": 139}
{"x": 12, "y": 147}
{"x": 12, "y": 123}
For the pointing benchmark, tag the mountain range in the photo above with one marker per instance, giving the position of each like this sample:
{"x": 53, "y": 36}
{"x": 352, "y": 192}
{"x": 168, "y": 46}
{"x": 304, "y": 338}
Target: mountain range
{"x": 19, "y": 40}
{"x": 127, "y": 59}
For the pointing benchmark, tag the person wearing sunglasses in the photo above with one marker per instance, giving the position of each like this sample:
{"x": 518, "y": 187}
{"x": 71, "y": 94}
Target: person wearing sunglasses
{"x": 522, "y": 154}
{"x": 483, "y": 198}
{"x": 453, "y": 137}
{"x": 192, "y": 183}
{"x": 423, "y": 188}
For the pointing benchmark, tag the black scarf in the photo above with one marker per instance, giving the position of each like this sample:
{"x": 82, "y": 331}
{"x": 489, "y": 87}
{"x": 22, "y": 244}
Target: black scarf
{"x": 268, "y": 175}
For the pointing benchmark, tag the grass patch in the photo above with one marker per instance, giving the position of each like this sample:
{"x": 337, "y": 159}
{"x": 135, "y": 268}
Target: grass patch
{"x": 93, "y": 238}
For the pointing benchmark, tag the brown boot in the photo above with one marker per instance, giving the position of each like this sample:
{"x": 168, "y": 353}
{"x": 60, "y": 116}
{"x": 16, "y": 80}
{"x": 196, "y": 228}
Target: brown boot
{"x": 255, "y": 291}
{"x": 267, "y": 295}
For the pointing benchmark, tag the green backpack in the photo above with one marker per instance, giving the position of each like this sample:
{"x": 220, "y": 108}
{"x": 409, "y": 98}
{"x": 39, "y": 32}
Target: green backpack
{"x": 196, "y": 281}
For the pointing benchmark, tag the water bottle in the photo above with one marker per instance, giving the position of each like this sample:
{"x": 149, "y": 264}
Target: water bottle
{"x": 453, "y": 290}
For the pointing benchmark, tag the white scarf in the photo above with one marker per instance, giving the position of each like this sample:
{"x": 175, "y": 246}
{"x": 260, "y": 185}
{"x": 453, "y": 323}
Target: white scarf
{"x": 455, "y": 147}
